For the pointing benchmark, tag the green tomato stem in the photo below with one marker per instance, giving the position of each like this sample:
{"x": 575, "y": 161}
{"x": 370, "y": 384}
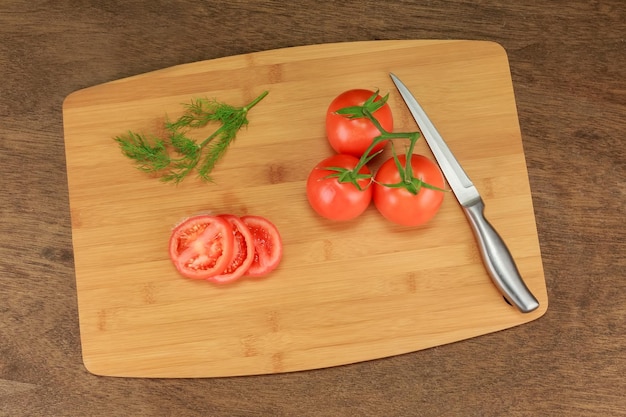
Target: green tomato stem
{"x": 407, "y": 180}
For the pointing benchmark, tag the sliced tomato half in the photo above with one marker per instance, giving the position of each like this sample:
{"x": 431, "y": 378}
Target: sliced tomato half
{"x": 202, "y": 246}
{"x": 243, "y": 251}
{"x": 268, "y": 246}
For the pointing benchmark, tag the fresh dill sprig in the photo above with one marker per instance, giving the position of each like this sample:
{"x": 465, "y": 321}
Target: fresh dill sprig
{"x": 149, "y": 157}
{"x": 177, "y": 155}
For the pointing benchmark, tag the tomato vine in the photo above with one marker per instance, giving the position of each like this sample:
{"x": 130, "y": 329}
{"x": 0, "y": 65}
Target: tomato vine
{"x": 407, "y": 180}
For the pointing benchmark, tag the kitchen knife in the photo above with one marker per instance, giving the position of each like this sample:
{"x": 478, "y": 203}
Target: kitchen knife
{"x": 495, "y": 254}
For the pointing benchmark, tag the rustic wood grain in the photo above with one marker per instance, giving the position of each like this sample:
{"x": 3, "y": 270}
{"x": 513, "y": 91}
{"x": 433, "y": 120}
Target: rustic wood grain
{"x": 568, "y": 67}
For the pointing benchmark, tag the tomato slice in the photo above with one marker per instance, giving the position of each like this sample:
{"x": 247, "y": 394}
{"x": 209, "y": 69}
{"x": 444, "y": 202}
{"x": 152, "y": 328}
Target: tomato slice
{"x": 243, "y": 251}
{"x": 268, "y": 247}
{"x": 202, "y": 246}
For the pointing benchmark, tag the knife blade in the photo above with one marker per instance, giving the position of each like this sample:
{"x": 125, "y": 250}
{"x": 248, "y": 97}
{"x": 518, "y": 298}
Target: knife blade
{"x": 496, "y": 256}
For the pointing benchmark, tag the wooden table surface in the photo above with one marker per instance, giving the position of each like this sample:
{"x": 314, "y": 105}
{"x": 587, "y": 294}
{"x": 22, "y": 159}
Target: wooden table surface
{"x": 568, "y": 64}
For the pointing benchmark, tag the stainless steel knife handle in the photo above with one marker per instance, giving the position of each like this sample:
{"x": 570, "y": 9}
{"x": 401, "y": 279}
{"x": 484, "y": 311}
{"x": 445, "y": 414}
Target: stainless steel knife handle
{"x": 498, "y": 259}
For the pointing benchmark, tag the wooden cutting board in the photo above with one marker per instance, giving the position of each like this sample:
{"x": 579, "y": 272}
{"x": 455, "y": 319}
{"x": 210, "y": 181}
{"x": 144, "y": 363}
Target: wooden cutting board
{"x": 344, "y": 292}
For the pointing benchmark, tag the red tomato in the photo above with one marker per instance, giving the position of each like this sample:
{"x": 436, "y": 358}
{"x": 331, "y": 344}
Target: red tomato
{"x": 338, "y": 200}
{"x": 268, "y": 246}
{"x": 398, "y": 204}
{"x": 354, "y": 136}
{"x": 243, "y": 251}
{"x": 201, "y": 246}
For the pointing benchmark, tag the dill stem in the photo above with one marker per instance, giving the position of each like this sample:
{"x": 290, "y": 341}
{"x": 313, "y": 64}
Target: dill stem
{"x": 255, "y": 101}
{"x": 212, "y": 136}
{"x": 241, "y": 115}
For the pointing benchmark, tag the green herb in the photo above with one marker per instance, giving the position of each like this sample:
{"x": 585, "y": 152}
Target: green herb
{"x": 174, "y": 157}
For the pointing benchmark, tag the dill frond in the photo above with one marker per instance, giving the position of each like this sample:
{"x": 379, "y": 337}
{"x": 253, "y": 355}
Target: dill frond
{"x": 148, "y": 157}
{"x": 184, "y": 145}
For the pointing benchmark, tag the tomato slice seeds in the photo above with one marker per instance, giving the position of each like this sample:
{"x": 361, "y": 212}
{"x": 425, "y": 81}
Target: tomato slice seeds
{"x": 268, "y": 247}
{"x": 243, "y": 251}
{"x": 201, "y": 246}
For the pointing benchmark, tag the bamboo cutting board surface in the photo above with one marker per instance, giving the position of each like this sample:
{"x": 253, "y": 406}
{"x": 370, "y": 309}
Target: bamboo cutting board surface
{"x": 344, "y": 292}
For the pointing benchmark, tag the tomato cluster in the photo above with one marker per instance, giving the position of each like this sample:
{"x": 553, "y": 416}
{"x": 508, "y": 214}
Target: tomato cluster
{"x": 359, "y": 124}
{"x": 224, "y": 248}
